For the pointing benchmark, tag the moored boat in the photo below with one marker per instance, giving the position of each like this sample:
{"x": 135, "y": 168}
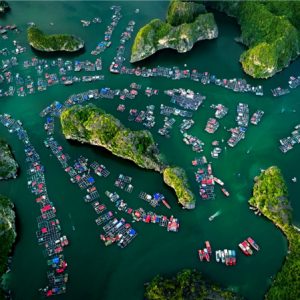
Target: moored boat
{"x": 253, "y": 243}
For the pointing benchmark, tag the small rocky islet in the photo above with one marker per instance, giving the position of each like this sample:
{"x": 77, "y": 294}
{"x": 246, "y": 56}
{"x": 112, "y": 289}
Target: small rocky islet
{"x": 54, "y": 42}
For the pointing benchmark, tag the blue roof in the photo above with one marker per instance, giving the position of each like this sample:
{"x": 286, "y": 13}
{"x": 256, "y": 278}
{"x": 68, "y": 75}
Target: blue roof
{"x": 132, "y": 231}
{"x": 91, "y": 180}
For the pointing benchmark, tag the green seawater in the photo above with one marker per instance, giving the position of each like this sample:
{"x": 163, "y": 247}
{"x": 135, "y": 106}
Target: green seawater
{"x": 110, "y": 273}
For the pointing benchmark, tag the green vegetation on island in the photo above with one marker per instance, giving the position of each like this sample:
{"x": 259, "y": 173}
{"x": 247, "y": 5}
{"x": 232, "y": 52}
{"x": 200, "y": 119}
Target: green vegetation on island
{"x": 270, "y": 30}
{"x": 270, "y": 196}
{"x": 186, "y": 285}
{"x": 8, "y": 165}
{"x": 4, "y": 7}
{"x": 180, "y": 12}
{"x": 186, "y": 23}
{"x": 7, "y": 234}
{"x": 90, "y": 124}
{"x": 54, "y": 42}
{"x": 176, "y": 178}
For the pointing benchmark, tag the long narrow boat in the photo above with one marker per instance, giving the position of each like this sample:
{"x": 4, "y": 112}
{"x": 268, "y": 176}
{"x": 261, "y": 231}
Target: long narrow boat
{"x": 253, "y": 243}
{"x": 208, "y": 247}
{"x": 166, "y": 204}
{"x": 200, "y": 253}
{"x": 225, "y": 192}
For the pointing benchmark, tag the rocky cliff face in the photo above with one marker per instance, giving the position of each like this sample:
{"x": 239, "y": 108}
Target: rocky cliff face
{"x": 181, "y": 38}
{"x": 8, "y": 166}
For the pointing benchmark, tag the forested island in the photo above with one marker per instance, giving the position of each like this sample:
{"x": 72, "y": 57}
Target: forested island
{"x": 8, "y": 165}
{"x": 90, "y": 124}
{"x": 4, "y": 7}
{"x": 186, "y": 23}
{"x": 7, "y": 234}
{"x": 186, "y": 285}
{"x": 54, "y": 42}
{"x": 270, "y": 30}
{"x": 270, "y": 196}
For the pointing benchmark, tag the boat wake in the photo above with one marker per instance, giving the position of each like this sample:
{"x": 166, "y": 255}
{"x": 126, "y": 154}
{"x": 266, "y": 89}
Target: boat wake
{"x": 211, "y": 218}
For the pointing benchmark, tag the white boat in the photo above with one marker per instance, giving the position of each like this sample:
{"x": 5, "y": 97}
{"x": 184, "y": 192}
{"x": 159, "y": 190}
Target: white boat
{"x": 218, "y": 255}
{"x": 223, "y": 257}
{"x": 211, "y": 218}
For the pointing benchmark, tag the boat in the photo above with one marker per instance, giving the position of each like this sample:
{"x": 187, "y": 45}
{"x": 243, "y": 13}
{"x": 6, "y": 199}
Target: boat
{"x": 227, "y": 258}
{"x": 222, "y": 256}
{"x": 247, "y": 245}
{"x": 211, "y": 218}
{"x": 206, "y": 254}
{"x": 166, "y": 204}
{"x": 218, "y": 181}
{"x": 218, "y": 255}
{"x": 294, "y": 179}
{"x": 225, "y": 192}
{"x": 200, "y": 253}
{"x": 243, "y": 248}
{"x": 208, "y": 247}
{"x": 253, "y": 243}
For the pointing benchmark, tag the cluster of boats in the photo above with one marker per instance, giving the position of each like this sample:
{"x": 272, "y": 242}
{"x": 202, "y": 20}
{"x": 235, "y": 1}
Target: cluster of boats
{"x": 204, "y": 176}
{"x": 140, "y": 215}
{"x": 294, "y": 82}
{"x": 256, "y": 117}
{"x": 196, "y": 144}
{"x": 106, "y": 42}
{"x": 124, "y": 182}
{"x": 62, "y": 66}
{"x": 86, "y": 23}
{"x": 118, "y": 60}
{"x": 185, "y": 125}
{"x": 147, "y": 118}
{"x": 80, "y": 174}
{"x": 186, "y": 99}
{"x": 204, "y": 254}
{"x": 242, "y": 119}
{"x": 226, "y": 256}
{"x": 247, "y": 245}
{"x": 279, "y": 91}
{"x": 212, "y": 125}
{"x": 155, "y": 199}
{"x": 168, "y": 111}
{"x": 167, "y": 127}
{"x": 221, "y": 110}
{"x": 287, "y": 144}
{"x": 237, "y": 85}
{"x": 49, "y": 230}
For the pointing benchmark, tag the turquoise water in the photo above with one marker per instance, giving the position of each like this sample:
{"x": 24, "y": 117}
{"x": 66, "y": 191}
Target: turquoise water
{"x": 97, "y": 272}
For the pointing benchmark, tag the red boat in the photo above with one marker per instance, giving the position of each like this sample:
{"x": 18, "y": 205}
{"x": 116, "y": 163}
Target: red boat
{"x": 166, "y": 204}
{"x": 243, "y": 248}
{"x": 208, "y": 247}
{"x": 206, "y": 254}
{"x": 253, "y": 243}
{"x": 200, "y": 253}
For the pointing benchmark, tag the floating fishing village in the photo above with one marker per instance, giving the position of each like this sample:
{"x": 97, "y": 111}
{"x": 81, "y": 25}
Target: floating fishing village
{"x": 49, "y": 230}
{"x": 208, "y": 136}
